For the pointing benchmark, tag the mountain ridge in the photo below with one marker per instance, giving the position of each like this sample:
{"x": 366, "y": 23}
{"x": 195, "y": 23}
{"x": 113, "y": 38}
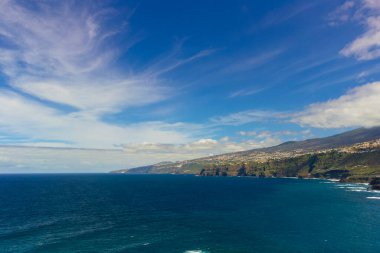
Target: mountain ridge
{"x": 346, "y": 138}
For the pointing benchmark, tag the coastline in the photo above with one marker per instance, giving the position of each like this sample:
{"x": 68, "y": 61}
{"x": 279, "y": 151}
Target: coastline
{"x": 369, "y": 187}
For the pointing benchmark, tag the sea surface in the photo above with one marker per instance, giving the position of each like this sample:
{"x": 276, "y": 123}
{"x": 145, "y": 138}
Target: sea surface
{"x": 169, "y": 213}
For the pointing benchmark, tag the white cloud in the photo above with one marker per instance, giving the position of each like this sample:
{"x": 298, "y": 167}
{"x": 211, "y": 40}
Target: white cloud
{"x": 225, "y": 138}
{"x": 95, "y": 96}
{"x": 359, "y": 107}
{"x": 24, "y": 117}
{"x": 247, "y": 133}
{"x": 367, "y": 45}
{"x": 264, "y": 134}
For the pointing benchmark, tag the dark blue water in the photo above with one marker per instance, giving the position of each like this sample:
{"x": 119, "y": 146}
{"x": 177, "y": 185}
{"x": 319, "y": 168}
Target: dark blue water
{"x": 146, "y": 213}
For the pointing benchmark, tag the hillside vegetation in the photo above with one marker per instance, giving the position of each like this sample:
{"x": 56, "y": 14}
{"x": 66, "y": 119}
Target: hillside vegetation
{"x": 334, "y": 164}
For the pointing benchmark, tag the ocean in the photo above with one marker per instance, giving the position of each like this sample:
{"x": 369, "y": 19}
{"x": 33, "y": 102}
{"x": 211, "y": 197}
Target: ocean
{"x": 177, "y": 213}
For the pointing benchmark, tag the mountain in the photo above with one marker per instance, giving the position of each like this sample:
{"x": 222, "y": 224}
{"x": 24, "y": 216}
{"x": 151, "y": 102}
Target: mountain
{"x": 352, "y": 155}
{"x": 335, "y": 141}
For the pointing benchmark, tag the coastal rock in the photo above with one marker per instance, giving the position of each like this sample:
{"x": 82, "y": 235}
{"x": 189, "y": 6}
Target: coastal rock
{"x": 375, "y": 184}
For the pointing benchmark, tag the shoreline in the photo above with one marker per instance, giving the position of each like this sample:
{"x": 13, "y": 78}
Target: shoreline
{"x": 332, "y": 180}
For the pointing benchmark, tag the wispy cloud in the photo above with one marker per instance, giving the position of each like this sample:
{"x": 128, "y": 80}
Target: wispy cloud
{"x": 167, "y": 64}
{"x": 342, "y": 14}
{"x": 55, "y": 39}
{"x": 367, "y": 45}
{"x": 252, "y": 62}
{"x": 283, "y": 14}
{"x": 59, "y": 54}
{"x": 327, "y": 78}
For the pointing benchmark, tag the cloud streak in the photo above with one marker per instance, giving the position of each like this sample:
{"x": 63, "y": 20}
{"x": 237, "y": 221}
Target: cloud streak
{"x": 246, "y": 92}
{"x": 245, "y": 117}
{"x": 367, "y": 45}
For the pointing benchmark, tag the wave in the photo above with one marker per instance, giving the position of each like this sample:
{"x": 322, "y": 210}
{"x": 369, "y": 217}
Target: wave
{"x": 353, "y": 187}
{"x": 372, "y": 197}
{"x": 349, "y": 185}
{"x": 358, "y": 187}
{"x": 196, "y": 251}
{"x": 357, "y": 190}
{"x": 134, "y": 245}
{"x": 28, "y": 228}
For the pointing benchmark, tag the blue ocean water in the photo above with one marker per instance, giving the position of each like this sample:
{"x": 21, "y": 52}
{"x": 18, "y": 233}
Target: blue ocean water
{"x": 168, "y": 213}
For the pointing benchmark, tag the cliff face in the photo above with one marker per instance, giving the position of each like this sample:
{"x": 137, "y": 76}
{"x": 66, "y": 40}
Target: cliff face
{"x": 358, "y": 167}
{"x": 375, "y": 184}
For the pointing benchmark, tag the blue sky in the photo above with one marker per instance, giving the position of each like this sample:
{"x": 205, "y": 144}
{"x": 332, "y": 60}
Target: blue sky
{"x": 173, "y": 80}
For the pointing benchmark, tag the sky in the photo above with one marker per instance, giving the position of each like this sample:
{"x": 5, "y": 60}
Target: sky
{"x": 89, "y": 86}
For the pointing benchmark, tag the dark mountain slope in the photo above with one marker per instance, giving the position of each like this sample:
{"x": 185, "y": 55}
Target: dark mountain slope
{"x": 335, "y": 141}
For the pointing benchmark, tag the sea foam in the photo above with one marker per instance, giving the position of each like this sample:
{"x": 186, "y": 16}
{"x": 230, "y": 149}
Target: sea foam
{"x": 195, "y": 251}
{"x": 373, "y": 198}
